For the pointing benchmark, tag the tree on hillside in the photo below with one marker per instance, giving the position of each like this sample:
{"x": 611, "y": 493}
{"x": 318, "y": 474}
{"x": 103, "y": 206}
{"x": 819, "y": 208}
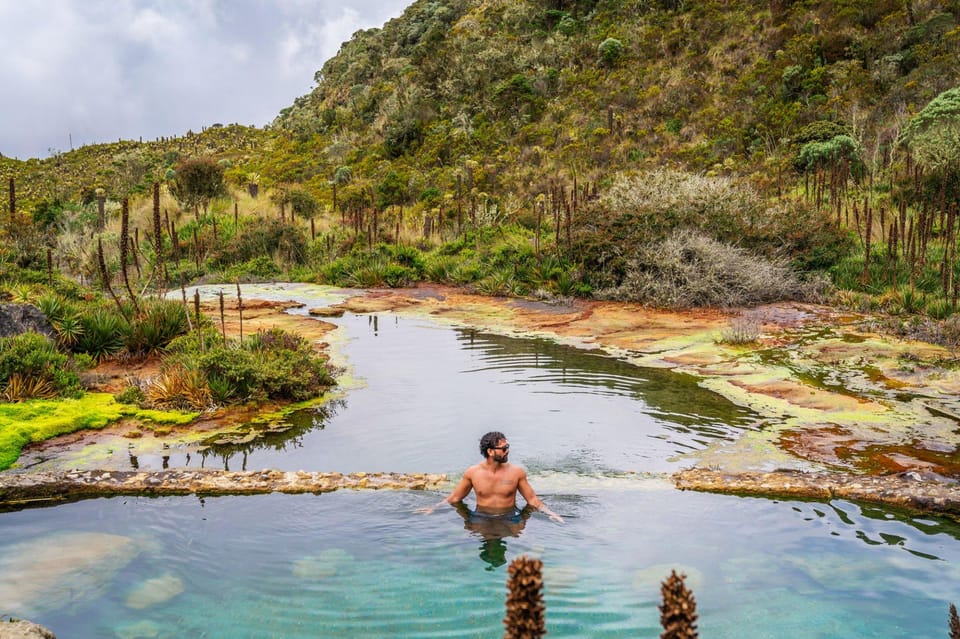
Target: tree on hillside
{"x": 393, "y": 190}
{"x": 301, "y": 203}
{"x": 933, "y": 135}
{"x": 196, "y": 182}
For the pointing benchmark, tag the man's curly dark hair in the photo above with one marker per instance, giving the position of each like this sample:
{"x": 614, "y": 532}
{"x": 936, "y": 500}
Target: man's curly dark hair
{"x": 490, "y": 441}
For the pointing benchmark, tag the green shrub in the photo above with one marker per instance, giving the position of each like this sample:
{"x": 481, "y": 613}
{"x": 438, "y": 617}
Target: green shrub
{"x": 440, "y": 268}
{"x": 159, "y": 322}
{"x": 32, "y": 360}
{"x": 103, "y": 333}
{"x": 132, "y": 394}
{"x": 270, "y": 237}
{"x": 610, "y": 51}
{"x": 261, "y": 267}
{"x": 498, "y": 283}
{"x": 233, "y": 368}
{"x": 271, "y": 364}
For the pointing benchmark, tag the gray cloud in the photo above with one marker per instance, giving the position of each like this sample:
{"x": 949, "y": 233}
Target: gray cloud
{"x": 87, "y": 71}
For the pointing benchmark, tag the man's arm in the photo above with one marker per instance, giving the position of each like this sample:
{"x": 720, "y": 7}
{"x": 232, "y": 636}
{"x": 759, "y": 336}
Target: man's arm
{"x": 528, "y": 493}
{"x": 459, "y": 494}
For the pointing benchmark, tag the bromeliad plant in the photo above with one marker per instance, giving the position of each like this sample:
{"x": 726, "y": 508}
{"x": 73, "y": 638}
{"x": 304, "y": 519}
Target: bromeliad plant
{"x": 32, "y": 367}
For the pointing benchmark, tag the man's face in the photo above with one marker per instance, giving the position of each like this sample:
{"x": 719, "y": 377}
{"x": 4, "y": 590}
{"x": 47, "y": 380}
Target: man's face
{"x": 501, "y": 451}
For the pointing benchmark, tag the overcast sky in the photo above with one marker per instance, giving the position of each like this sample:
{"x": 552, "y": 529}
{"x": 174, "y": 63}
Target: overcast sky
{"x": 87, "y": 71}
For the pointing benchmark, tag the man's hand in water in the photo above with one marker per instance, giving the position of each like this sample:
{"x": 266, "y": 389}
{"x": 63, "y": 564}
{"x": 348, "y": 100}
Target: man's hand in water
{"x": 555, "y": 517}
{"x": 426, "y": 510}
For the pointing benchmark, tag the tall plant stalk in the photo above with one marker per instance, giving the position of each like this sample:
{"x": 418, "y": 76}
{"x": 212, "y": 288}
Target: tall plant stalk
{"x": 124, "y": 247}
{"x": 158, "y": 240}
{"x": 105, "y": 278}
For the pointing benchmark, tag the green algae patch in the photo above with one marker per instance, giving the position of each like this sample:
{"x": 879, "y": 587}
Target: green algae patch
{"x": 163, "y": 416}
{"x": 39, "y": 420}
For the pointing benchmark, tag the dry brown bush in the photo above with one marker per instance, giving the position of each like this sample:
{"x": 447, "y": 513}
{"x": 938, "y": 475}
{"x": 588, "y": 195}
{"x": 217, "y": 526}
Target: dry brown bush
{"x": 689, "y": 269}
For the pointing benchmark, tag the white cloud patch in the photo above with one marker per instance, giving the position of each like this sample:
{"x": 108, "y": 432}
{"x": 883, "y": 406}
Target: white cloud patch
{"x": 92, "y": 71}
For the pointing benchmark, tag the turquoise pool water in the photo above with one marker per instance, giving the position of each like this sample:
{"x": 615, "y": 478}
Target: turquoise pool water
{"x": 597, "y": 437}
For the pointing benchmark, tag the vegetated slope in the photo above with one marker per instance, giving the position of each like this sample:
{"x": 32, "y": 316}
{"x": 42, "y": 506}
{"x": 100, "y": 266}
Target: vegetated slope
{"x": 125, "y": 167}
{"x": 506, "y": 92}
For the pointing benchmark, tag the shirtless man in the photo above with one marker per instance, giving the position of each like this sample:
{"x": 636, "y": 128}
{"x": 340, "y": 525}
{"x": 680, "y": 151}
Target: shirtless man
{"x": 495, "y": 481}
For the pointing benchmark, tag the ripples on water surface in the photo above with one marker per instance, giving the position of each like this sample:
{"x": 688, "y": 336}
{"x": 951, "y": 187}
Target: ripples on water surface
{"x": 363, "y": 565}
{"x": 356, "y": 564}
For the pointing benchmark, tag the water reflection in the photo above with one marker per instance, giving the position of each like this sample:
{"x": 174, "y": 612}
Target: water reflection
{"x": 547, "y": 367}
{"x": 876, "y": 525}
{"x": 233, "y": 451}
{"x": 278, "y": 437}
{"x": 492, "y": 528}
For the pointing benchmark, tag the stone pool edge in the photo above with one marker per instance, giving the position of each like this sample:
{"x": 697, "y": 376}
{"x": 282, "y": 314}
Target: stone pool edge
{"x": 909, "y": 490}
{"x": 39, "y": 489}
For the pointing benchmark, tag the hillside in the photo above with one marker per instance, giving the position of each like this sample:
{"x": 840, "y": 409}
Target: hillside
{"x": 126, "y": 167}
{"x": 509, "y": 93}
{"x": 529, "y": 89}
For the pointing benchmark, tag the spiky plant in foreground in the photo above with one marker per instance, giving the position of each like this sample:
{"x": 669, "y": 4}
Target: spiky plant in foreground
{"x": 678, "y": 612}
{"x": 954, "y": 623}
{"x": 525, "y": 611}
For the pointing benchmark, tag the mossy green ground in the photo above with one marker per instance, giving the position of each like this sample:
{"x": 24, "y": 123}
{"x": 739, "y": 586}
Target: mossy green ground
{"x": 39, "y": 420}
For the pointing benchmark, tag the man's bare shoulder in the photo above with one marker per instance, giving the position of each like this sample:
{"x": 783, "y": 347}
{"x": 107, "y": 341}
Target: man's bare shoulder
{"x": 473, "y": 470}
{"x": 519, "y": 471}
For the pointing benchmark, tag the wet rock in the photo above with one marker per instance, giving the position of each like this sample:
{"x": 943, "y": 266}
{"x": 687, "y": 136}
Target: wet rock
{"x": 20, "y": 490}
{"x": 144, "y": 629}
{"x": 21, "y": 629}
{"x": 905, "y": 490}
{"x": 154, "y": 591}
{"x": 20, "y": 318}
{"x": 321, "y": 566}
{"x": 62, "y": 569}
{"x": 326, "y": 311}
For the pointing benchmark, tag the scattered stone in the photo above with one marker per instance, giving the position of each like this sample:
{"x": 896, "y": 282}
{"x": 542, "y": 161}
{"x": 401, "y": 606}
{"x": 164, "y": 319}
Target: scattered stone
{"x": 903, "y": 490}
{"x": 155, "y": 591}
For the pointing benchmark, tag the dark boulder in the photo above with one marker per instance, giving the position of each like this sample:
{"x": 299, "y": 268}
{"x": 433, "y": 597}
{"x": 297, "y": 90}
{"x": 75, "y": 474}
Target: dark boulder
{"x": 20, "y": 318}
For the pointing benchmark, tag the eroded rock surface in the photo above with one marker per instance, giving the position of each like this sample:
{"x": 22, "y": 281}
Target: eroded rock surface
{"x": 61, "y": 569}
{"x": 37, "y": 488}
{"x": 910, "y": 490}
{"x": 20, "y": 318}
{"x": 21, "y": 629}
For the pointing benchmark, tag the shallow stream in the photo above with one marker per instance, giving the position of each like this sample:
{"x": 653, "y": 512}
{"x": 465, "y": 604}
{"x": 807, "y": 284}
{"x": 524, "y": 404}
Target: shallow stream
{"x": 598, "y": 438}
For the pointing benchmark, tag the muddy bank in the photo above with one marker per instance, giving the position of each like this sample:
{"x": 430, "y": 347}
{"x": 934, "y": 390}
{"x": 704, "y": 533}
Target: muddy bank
{"x": 911, "y": 490}
{"x": 20, "y": 490}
